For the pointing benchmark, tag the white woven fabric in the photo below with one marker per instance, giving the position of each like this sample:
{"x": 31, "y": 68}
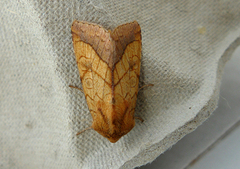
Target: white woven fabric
{"x": 183, "y": 56}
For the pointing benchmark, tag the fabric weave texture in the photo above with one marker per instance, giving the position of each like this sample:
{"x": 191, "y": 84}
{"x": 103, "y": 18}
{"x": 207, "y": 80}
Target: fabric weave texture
{"x": 185, "y": 45}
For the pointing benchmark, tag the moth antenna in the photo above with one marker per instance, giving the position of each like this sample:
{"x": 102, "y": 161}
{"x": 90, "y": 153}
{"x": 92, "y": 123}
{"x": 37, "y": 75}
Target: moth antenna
{"x": 83, "y": 130}
{"x": 75, "y": 88}
{"x": 145, "y": 86}
{"x": 139, "y": 118}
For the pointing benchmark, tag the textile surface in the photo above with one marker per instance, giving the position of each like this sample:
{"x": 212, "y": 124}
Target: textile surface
{"x": 185, "y": 45}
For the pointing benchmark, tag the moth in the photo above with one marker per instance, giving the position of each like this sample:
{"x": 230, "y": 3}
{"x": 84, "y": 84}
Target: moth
{"x": 109, "y": 67}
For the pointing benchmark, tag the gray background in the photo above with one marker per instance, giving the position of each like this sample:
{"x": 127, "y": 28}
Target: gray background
{"x": 183, "y": 54}
{"x": 216, "y": 143}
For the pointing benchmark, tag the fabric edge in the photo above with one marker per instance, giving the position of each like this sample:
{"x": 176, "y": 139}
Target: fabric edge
{"x": 142, "y": 158}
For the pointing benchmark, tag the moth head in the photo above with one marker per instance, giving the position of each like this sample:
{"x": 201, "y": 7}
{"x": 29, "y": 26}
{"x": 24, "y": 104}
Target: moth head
{"x": 113, "y": 135}
{"x": 113, "y": 125}
{"x": 113, "y": 139}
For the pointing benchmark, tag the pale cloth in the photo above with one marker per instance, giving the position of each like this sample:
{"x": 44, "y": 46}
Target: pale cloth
{"x": 185, "y": 46}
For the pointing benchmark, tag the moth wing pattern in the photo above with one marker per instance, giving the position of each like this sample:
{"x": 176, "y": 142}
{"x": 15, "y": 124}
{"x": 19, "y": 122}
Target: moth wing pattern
{"x": 109, "y": 68}
{"x": 87, "y": 41}
{"x": 127, "y": 69}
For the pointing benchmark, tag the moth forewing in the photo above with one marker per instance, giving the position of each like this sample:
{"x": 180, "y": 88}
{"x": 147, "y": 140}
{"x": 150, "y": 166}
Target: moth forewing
{"x": 109, "y": 68}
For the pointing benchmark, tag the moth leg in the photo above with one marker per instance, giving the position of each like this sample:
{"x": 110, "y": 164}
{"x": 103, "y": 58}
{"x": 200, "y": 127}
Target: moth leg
{"x": 139, "y": 118}
{"x": 145, "y": 86}
{"x": 83, "y": 130}
{"x": 75, "y": 88}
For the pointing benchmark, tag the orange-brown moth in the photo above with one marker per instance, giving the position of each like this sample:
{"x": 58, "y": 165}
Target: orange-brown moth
{"x": 109, "y": 68}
